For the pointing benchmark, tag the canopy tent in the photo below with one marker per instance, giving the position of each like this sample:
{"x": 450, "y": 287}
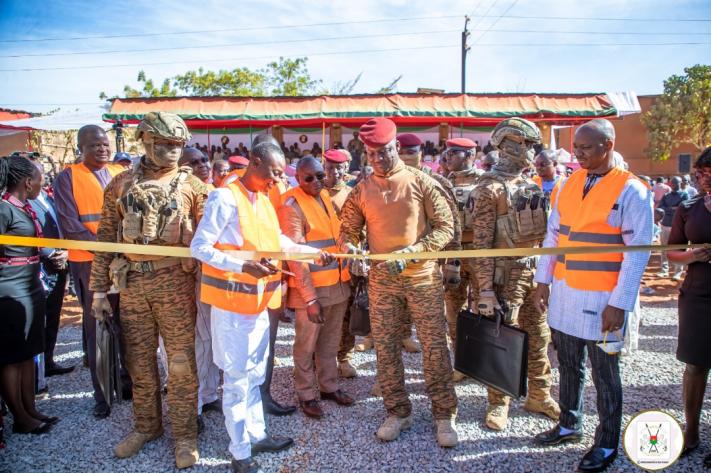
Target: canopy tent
{"x": 63, "y": 120}
{"x": 458, "y": 110}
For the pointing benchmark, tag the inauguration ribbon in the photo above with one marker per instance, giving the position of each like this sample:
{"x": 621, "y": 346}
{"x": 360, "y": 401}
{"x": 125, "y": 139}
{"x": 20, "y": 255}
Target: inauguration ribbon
{"x": 183, "y": 252}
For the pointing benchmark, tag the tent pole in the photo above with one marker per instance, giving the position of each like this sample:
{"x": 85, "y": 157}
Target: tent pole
{"x": 250, "y": 135}
{"x": 209, "y": 147}
{"x": 323, "y": 137}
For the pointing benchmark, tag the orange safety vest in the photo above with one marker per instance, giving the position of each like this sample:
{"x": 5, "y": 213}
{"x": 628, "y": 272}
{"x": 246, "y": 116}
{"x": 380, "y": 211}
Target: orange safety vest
{"x": 241, "y": 292}
{"x": 89, "y": 199}
{"x": 583, "y": 222}
{"x": 324, "y": 227}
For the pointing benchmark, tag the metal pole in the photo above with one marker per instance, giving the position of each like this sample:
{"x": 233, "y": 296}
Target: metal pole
{"x": 465, "y": 49}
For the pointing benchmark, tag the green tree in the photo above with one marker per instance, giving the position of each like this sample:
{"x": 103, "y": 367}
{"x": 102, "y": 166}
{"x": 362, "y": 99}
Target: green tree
{"x": 290, "y": 77}
{"x": 237, "y": 82}
{"x": 682, "y": 114}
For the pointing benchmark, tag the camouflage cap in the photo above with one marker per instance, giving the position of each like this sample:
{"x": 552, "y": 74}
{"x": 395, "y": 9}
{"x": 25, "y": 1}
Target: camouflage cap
{"x": 518, "y": 129}
{"x": 163, "y": 125}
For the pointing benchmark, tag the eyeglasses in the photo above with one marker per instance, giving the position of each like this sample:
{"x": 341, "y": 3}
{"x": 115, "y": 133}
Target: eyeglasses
{"x": 320, "y": 176}
{"x": 195, "y": 162}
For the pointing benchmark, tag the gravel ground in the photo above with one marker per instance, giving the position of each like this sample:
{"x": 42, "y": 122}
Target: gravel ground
{"x": 344, "y": 440}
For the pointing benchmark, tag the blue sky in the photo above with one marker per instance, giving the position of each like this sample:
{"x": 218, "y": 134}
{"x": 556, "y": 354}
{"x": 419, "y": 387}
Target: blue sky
{"x": 509, "y": 53}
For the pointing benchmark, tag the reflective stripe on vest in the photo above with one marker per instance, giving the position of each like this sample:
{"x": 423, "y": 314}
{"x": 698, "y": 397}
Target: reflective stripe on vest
{"x": 324, "y": 226}
{"x": 89, "y": 199}
{"x": 583, "y": 222}
{"x": 240, "y": 292}
{"x": 232, "y": 176}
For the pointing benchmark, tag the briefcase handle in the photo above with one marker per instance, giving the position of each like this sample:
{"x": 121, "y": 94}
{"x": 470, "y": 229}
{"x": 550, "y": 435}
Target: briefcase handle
{"x": 498, "y": 313}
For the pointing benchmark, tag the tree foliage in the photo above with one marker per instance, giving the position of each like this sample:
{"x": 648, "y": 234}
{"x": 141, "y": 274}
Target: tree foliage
{"x": 682, "y": 114}
{"x": 283, "y": 77}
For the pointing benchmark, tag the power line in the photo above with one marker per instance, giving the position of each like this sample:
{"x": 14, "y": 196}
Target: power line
{"x": 109, "y": 66}
{"x": 225, "y": 30}
{"x": 606, "y": 33}
{"x": 513, "y": 4}
{"x": 224, "y": 45}
{"x": 590, "y": 44}
{"x": 590, "y": 18}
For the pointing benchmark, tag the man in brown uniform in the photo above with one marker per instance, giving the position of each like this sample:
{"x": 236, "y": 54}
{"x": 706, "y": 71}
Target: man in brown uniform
{"x": 319, "y": 294}
{"x": 402, "y": 212}
{"x": 510, "y": 212}
{"x": 155, "y": 203}
{"x": 463, "y": 177}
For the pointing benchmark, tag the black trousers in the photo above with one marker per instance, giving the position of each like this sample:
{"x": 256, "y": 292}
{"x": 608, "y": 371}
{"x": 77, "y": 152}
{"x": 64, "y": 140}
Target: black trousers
{"x": 572, "y": 352}
{"x": 80, "y": 273}
{"x": 56, "y": 284}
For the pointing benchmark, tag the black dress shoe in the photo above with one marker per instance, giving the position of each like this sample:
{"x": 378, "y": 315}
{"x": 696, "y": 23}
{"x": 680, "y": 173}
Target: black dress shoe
{"x": 595, "y": 460}
{"x": 272, "y": 444}
{"x": 56, "y": 370}
{"x": 339, "y": 397}
{"x": 274, "y": 408}
{"x": 126, "y": 392}
{"x": 554, "y": 437}
{"x": 248, "y": 465}
{"x": 215, "y": 405}
{"x": 43, "y": 428}
{"x": 50, "y": 420}
{"x": 102, "y": 410}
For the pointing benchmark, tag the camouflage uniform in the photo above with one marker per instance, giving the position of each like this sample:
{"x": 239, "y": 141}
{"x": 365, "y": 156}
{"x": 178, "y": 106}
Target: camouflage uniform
{"x": 158, "y": 292}
{"x": 417, "y": 201}
{"x": 503, "y": 222}
{"x": 462, "y": 183}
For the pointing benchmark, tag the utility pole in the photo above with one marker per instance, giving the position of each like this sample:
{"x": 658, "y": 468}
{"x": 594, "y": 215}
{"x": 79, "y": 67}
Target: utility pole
{"x": 465, "y": 50}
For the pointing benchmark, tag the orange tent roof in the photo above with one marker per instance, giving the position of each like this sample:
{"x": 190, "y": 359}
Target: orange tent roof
{"x": 404, "y": 109}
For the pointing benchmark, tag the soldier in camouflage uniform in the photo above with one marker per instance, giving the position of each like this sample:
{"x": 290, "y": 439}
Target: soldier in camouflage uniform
{"x": 156, "y": 203}
{"x": 403, "y": 211}
{"x": 463, "y": 177}
{"x": 509, "y": 211}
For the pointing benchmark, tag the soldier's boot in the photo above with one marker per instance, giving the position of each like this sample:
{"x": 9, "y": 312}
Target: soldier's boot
{"x": 497, "y": 416}
{"x": 446, "y": 433}
{"x": 366, "y": 345}
{"x": 458, "y": 376}
{"x": 410, "y": 345}
{"x": 186, "y": 453}
{"x": 376, "y": 391}
{"x": 393, "y": 425}
{"x": 548, "y": 407}
{"x": 134, "y": 442}
{"x": 346, "y": 370}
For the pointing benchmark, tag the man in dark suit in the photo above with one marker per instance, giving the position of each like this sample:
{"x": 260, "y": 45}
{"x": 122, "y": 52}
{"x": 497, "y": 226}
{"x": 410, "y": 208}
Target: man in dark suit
{"x": 54, "y": 278}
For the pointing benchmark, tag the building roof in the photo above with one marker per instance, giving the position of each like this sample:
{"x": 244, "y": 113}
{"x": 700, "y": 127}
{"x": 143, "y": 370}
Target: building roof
{"x": 404, "y": 109}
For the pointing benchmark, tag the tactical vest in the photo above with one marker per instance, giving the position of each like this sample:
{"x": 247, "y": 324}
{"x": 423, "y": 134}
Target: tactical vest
{"x": 524, "y": 224}
{"x": 241, "y": 292}
{"x": 324, "y": 227}
{"x": 583, "y": 222}
{"x": 463, "y": 183}
{"x": 89, "y": 199}
{"x": 553, "y": 194}
{"x": 153, "y": 211}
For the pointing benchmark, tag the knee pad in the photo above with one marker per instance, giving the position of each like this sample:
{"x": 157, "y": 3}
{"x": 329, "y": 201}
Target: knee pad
{"x": 179, "y": 365}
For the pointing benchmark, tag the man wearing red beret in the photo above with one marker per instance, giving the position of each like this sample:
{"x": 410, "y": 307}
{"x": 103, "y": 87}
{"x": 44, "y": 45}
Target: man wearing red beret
{"x": 411, "y": 154}
{"x": 463, "y": 177}
{"x": 402, "y": 212}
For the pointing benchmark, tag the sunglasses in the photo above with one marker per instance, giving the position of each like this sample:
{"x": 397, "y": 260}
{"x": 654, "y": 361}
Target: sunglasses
{"x": 320, "y": 176}
{"x": 199, "y": 161}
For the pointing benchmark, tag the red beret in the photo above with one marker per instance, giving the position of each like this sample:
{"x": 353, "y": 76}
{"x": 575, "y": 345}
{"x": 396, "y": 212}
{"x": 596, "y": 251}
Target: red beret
{"x": 335, "y": 156}
{"x": 377, "y": 132}
{"x": 409, "y": 140}
{"x": 465, "y": 143}
{"x": 237, "y": 159}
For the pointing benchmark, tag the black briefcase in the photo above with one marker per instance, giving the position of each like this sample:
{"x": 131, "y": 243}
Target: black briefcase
{"x": 491, "y": 352}
{"x": 360, "y": 310}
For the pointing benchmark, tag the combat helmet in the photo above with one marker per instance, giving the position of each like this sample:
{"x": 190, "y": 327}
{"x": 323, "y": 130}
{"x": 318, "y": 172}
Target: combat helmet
{"x": 518, "y": 129}
{"x": 164, "y": 125}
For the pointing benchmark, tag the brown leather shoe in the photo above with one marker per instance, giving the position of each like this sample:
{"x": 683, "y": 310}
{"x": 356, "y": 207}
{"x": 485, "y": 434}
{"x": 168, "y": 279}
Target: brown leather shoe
{"x": 311, "y": 409}
{"x": 339, "y": 397}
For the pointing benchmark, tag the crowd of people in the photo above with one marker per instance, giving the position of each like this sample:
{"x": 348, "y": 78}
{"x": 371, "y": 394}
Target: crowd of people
{"x": 214, "y": 317}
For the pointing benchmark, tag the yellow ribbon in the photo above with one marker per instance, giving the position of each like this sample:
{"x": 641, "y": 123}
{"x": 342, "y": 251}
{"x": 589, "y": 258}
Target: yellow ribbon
{"x": 183, "y": 252}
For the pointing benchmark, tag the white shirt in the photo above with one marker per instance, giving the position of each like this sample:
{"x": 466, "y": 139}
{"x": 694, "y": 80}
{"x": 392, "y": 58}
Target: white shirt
{"x": 690, "y": 191}
{"x": 577, "y": 312}
{"x": 220, "y": 223}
